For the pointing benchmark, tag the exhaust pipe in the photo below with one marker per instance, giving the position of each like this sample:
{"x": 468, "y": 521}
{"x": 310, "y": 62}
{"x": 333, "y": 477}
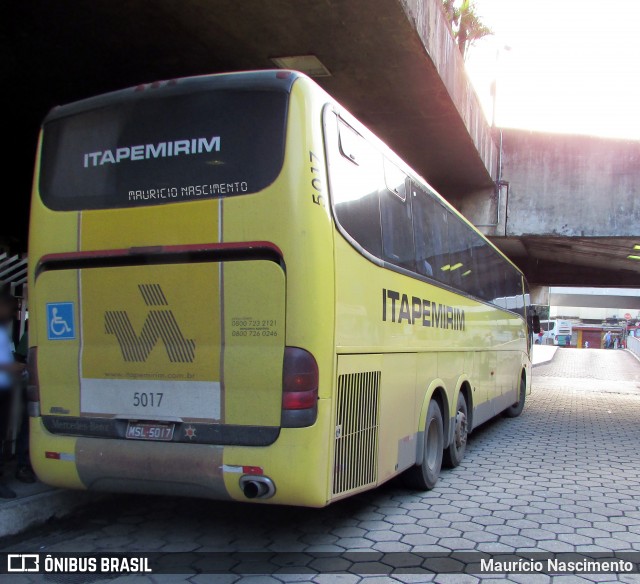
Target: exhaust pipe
{"x": 257, "y": 487}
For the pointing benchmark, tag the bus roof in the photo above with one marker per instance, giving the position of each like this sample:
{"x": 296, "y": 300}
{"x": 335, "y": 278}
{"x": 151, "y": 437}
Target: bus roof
{"x": 268, "y": 80}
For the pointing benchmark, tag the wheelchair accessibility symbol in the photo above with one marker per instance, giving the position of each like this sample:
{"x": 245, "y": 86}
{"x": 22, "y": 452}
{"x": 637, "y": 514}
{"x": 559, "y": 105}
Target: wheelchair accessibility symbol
{"x": 60, "y": 321}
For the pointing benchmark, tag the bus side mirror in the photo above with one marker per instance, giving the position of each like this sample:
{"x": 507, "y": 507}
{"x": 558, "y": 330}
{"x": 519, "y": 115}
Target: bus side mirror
{"x": 535, "y": 324}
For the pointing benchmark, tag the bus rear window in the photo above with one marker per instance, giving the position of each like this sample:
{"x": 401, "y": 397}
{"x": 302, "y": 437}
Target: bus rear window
{"x": 164, "y": 149}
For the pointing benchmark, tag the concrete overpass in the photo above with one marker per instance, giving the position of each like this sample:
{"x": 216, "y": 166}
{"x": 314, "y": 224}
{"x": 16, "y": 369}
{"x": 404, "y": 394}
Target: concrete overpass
{"x": 568, "y": 211}
{"x": 627, "y": 298}
{"x": 393, "y": 63}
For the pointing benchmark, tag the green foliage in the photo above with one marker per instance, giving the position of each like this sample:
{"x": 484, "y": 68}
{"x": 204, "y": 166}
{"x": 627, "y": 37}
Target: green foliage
{"x": 465, "y": 23}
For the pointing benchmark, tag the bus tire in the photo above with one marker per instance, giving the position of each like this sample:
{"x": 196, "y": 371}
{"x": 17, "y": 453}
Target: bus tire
{"x": 424, "y": 475}
{"x": 516, "y": 409}
{"x": 454, "y": 454}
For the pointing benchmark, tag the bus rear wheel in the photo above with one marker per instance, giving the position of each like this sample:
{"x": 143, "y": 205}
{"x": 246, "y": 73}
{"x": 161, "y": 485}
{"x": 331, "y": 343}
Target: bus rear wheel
{"x": 454, "y": 454}
{"x": 516, "y": 409}
{"x": 424, "y": 475}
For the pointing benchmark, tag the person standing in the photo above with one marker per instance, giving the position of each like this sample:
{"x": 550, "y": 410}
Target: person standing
{"x": 24, "y": 472}
{"x": 9, "y": 371}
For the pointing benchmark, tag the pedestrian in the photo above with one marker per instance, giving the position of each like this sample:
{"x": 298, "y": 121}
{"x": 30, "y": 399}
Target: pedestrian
{"x": 24, "y": 472}
{"x": 586, "y": 344}
{"x": 9, "y": 372}
{"x": 607, "y": 340}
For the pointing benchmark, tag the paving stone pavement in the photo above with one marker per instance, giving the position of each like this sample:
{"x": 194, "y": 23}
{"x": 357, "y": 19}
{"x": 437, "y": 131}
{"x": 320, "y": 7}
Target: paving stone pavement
{"x": 565, "y": 476}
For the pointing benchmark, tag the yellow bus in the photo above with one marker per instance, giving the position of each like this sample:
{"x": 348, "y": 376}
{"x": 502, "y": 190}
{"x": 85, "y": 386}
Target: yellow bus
{"x": 238, "y": 292}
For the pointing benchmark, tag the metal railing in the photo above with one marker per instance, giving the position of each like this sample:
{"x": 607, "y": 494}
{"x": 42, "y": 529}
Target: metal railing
{"x": 633, "y": 344}
{"x": 13, "y": 271}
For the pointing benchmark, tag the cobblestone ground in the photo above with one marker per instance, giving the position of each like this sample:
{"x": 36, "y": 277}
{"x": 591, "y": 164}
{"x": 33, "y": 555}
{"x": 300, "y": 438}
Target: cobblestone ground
{"x": 562, "y": 477}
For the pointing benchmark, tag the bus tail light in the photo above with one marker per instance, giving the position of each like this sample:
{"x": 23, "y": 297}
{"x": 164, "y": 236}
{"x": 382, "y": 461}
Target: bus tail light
{"x": 33, "y": 383}
{"x": 299, "y": 388}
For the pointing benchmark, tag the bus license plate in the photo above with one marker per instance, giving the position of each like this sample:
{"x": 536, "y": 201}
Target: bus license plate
{"x": 140, "y": 431}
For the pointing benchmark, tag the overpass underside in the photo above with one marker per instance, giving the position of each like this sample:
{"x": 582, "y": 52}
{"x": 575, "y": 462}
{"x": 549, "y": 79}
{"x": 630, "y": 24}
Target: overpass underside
{"x": 573, "y": 261}
{"x": 392, "y": 63}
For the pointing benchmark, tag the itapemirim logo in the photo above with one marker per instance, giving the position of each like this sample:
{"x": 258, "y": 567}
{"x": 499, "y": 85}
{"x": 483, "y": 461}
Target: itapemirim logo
{"x": 160, "y": 324}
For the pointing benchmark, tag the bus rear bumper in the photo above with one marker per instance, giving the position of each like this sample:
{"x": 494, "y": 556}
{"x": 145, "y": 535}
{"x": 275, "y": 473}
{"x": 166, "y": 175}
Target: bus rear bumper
{"x": 295, "y": 465}
{"x": 103, "y": 464}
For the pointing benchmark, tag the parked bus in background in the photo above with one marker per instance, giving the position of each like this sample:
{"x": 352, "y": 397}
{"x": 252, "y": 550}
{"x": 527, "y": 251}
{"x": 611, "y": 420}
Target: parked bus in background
{"x": 556, "y": 332}
{"x": 239, "y": 292}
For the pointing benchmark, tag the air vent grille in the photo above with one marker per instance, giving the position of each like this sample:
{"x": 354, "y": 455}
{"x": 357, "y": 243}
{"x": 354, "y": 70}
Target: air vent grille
{"x": 357, "y": 420}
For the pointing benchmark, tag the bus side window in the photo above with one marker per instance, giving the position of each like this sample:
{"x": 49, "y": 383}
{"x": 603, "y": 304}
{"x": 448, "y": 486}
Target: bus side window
{"x": 501, "y": 289}
{"x": 356, "y": 179}
{"x": 482, "y": 287}
{"x": 397, "y": 224}
{"x": 515, "y": 291}
{"x": 430, "y": 234}
{"x": 490, "y": 280}
{"x": 462, "y": 272}
{"x": 521, "y": 309}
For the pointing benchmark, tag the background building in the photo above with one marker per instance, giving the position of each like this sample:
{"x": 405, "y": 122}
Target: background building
{"x": 594, "y": 311}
